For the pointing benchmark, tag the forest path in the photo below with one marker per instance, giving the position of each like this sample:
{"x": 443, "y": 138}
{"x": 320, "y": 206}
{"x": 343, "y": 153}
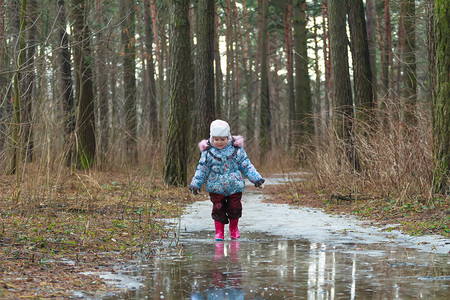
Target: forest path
{"x": 305, "y": 223}
{"x": 294, "y": 253}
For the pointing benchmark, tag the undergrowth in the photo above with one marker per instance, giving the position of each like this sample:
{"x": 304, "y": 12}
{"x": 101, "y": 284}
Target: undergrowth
{"x": 393, "y": 182}
{"x": 78, "y": 222}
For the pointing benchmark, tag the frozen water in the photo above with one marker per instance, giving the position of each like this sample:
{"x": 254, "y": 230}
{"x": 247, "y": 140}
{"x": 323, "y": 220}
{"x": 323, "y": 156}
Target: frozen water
{"x": 295, "y": 253}
{"x": 307, "y": 223}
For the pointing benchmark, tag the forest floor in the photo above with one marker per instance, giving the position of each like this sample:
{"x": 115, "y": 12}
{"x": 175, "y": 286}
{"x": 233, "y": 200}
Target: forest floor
{"x": 55, "y": 233}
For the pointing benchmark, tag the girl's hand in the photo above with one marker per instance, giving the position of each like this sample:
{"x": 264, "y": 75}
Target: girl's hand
{"x": 194, "y": 190}
{"x": 259, "y": 183}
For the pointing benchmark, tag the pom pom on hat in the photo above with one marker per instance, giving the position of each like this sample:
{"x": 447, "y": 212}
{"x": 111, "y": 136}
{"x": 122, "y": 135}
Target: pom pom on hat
{"x": 219, "y": 128}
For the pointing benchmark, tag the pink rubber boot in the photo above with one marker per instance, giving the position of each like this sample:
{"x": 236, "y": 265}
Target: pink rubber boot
{"x": 234, "y": 231}
{"x": 220, "y": 227}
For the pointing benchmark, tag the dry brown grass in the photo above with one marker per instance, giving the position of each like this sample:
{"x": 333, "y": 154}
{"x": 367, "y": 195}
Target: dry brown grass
{"x": 393, "y": 186}
{"x": 396, "y": 161}
{"x": 55, "y": 226}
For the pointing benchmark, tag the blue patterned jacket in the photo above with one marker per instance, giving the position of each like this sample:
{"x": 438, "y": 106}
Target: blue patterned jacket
{"x": 223, "y": 169}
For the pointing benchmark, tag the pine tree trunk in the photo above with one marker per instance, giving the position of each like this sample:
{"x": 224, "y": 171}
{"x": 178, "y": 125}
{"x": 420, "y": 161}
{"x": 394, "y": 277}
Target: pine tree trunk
{"x": 317, "y": 111}
{"x": 409, "y": 58}
{"x": 274, "y": 88}
{"x": 218, "y": 67}
{"x": 29, "y": 85}
{"x": 102, "y": 91}
{"x": 264, "y": 92}
{"x": 229, "y": 46}
{"x": 342, "y": 90}
{"x": 155, "y": 31}
{"x": 65, "y": 83}
{"x": 205, "y": 66}
{"x": 84, "y": 88}
{"x": 362, "y": 74}
{"x": 391, "y": 62}
{"x": 387, "y": 46}
{"x": 159, "y": 84}
{"x": 371, "y": 25}
{"x": 287, "y": 21}
{"x": 441, "y": 99}
{"x": 150, "y": 85}
{"x": 16, "y": 131}
{"x": 3, "y": 82}
{"x": 248, "y": 73}
{"x": 236, "y": 89}
{"x": 164, "y": 70}
{"x": 257, "y": 83}
{"x": 326, "y": 56}
{"x": 129, "y": 77}
{"x": 303, "y": 104}
{"x": 400, "y": 51}
{"x": 175, "y": 167}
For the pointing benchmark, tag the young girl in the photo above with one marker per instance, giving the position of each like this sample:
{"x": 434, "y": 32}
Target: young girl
{"x": 222, "y": 164}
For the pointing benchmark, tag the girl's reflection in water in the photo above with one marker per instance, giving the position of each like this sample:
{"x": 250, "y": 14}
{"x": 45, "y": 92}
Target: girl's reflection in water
{"x": 226, "y": 275}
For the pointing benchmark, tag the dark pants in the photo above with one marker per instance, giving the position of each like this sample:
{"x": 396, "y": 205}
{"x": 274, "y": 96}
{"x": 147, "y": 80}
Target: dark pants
{"x": 226, "y": 208}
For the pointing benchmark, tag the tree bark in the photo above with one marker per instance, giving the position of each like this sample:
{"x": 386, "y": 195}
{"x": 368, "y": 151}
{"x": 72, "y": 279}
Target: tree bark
{"x": 102, "y": 91}
{"x": 387, "y": 49}
{"x": 303, "y": 104}
{"x": 29, "y": 85}
{"x": 371, "y": 26}
{"x": 441, "y": 99}
{"x": 287, "y": 21}
{"x": 218, "y": 67}
{"x": 229, "y": 55}
{"x": 326, "y": 56}
{"x": 362, "y": 74}
{"x": 236, "y": 87}
{"x": 66, "y": 84}
{"x": 84, "y": 88}
{"x": 16, "y": 131}
{"x": 249, "y": 75}
{"x": 264, "y": 92}
{"x": 317, "y": 106}
{"x": 129, "y": 77}
{"x": 157, "y": 31}
{"x": 342, "y": 90}
{"x": 409, "y": 61}
{"x": 205, "y": 67}
{"x": 150, "y": 85}
{"x": 175, "y": 166}
{"x": 3, "y": 81}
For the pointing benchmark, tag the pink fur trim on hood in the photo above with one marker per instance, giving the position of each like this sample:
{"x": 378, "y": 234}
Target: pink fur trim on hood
{"x": 238, "y": 141}
{"x": 203, "y": 145}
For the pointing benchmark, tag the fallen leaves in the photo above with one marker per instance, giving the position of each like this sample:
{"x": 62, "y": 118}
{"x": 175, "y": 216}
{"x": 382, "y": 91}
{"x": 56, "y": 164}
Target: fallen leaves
{"x": 51, "y": 240}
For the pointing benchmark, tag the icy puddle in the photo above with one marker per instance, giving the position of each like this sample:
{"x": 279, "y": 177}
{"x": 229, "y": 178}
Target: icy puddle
{"x": 261, "y": 266}
{"x": 294, "y": 253}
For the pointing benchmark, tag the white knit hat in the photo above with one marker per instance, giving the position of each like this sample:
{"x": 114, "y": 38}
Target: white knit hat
{"x": 219, "y": 128}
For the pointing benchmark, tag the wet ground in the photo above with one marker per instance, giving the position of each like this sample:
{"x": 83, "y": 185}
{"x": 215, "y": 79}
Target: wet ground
{"x": 271, "y": 267}
{"x": 294, "y": 253}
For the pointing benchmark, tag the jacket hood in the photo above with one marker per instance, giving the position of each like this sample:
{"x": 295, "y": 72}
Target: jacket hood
{"x": 238, "y": 141}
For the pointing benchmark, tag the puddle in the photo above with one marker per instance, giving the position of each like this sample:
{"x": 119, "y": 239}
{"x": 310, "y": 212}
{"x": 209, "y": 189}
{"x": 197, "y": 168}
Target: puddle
{"x": 262, "y": 266}
{"x": 294, "y": 253}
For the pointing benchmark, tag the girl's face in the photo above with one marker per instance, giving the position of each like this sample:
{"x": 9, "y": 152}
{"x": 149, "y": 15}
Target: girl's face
{"x": 220, "y": 142}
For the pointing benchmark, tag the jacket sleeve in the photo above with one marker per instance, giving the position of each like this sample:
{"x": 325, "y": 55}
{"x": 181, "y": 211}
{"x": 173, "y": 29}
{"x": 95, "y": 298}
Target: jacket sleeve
{"x": 246, "y": 166}
{"x": 202, "y": 171}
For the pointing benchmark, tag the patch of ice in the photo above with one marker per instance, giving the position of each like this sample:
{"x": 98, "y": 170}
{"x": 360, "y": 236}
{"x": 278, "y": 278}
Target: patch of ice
{"x": 308, "y": 223}
{"x": 78, "y": 295}
{"x": 120, "y": 280}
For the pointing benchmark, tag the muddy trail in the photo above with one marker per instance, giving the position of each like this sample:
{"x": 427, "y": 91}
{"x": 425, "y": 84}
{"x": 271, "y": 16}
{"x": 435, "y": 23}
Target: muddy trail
{"x": 291, "y": 253}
